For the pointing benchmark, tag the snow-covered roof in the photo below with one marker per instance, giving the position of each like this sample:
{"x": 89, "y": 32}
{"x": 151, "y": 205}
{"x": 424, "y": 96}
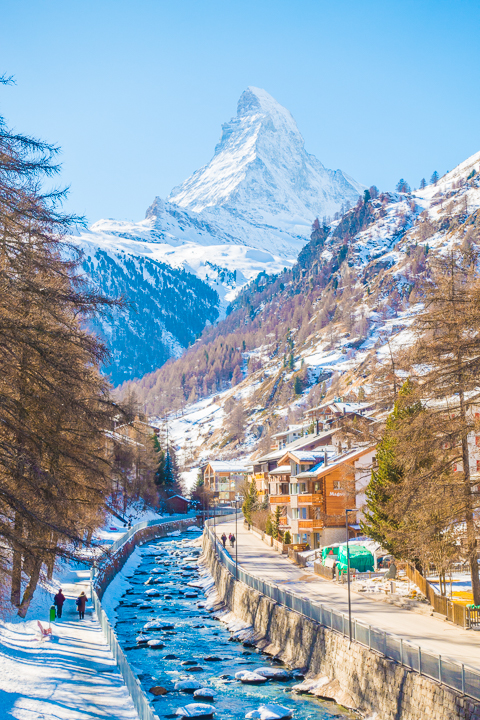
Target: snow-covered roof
{"x": 178, "y": 496}
{"x": 296, "y": 444}
{"x": 291, "y": 429}
{"x": 228, "y": 466}
{"x": 336, "y": 462}
{"x": 281, "y": 470}
{"x": 306, "y": 455}
{"x": 342, "y": 407}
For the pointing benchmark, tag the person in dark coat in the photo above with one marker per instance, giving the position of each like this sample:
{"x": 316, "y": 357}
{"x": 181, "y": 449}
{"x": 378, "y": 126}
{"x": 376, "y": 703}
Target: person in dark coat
{"x": 81, "y": 602}
{"x": 232, "y": 540}
{"x": 224, "y": 539}
{"x": 58, "y": 601}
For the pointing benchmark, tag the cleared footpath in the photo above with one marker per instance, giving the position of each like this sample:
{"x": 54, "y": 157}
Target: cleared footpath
{"x": 433, "y": 634}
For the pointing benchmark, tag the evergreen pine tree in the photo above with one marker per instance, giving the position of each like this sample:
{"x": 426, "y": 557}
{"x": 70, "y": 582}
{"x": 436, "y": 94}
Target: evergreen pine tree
{"x": 379, "y": 521}
{"x": 250, "y": 502}
{"x": 276, "y": 523}
{"x": 297, "y": 385}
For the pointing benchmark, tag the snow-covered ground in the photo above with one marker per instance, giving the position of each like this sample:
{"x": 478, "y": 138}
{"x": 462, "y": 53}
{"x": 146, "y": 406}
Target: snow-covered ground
{"x": 71, "y": 675}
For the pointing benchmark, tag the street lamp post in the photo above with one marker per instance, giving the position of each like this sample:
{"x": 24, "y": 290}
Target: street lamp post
{"x": 236, "y": 541}
{"x": 349, "y": 510}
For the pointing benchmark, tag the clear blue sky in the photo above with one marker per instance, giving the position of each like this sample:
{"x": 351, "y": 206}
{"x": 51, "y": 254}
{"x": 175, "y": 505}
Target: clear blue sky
{"x": 135, "y": 91}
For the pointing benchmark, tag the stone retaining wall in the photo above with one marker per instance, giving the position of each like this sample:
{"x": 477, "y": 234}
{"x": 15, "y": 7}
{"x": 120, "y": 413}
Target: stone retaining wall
{"x": 354, "y": 675}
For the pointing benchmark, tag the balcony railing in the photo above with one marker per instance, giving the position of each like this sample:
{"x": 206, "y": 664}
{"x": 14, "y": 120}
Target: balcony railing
{"x": 279, "y": 499}
{"x": 315, "y": 525}
{"x": 260, "y": 476}
{"x": 283, "y": 521}
{"x": 310, "y": 499}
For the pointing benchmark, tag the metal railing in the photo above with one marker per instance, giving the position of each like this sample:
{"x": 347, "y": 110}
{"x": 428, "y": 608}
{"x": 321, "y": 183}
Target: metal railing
{"x": 448, "y": 672}
{"x": 140, "y": 701}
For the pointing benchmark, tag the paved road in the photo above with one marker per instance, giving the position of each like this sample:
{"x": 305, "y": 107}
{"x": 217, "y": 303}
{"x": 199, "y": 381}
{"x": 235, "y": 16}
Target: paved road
{"x": 430, "y": 633}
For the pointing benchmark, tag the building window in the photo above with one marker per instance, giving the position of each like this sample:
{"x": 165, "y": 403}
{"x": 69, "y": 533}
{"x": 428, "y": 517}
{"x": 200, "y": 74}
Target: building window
{"x": 294, "y": 513}
{"x": 293, "y": 489}
{"x": 303, "y": 513}
{"x": 336, "y": 485}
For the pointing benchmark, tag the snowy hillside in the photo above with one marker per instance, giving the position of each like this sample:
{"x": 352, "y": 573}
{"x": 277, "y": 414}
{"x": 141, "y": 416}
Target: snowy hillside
{"x": 248, "y": 211}
{"x": 320, "y": 329}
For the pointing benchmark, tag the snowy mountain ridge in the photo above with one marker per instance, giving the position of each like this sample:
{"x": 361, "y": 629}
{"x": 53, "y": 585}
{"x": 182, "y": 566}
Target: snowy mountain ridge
{"x": 248, "y": 211}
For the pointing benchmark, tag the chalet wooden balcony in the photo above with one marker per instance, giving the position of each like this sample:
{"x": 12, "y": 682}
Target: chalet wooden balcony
{"x": 310, "y": 499}
{"x": 260, "y": 476}
{"x": 279, "y": 499}
{"x": 315, "y": 525}
{"x": 283, "y": 521}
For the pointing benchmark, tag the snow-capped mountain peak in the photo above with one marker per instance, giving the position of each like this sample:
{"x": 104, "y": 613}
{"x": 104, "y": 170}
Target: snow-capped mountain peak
{"x": 261, "y": 171}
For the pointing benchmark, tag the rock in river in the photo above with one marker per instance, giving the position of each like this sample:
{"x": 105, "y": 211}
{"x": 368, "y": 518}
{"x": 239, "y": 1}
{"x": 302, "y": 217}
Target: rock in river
{"x": 250, "y": 678}
{"x": 270, "y": 712}
{"x": 196, "y": 710}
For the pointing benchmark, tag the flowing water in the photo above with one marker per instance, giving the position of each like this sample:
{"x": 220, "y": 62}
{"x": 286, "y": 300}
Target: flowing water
{"x": 189, "y": 634}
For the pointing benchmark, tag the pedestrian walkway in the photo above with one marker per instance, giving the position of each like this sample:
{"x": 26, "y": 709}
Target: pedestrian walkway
{"x": 71, "y": 676}
{"x": 430, "y": 633}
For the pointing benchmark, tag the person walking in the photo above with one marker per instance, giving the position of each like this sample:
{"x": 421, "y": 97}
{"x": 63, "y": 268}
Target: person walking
{"x": 224, "y": 539}
{"x": 58, "y": 601}
{"x": 232, "y": 540}
{"x": 81, "y": 601}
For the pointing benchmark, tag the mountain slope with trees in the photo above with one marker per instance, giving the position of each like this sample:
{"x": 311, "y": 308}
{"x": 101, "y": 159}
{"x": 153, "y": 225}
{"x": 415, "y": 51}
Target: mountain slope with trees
{"x": 321, "y": 328}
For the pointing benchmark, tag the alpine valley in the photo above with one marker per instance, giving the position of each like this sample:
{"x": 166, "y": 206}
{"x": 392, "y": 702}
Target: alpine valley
{"x": 249, "y": 211}
{"x": 319, "y": 329}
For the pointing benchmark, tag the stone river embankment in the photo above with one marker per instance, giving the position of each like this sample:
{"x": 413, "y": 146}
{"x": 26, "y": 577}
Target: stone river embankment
{"x": 349, "y": 673}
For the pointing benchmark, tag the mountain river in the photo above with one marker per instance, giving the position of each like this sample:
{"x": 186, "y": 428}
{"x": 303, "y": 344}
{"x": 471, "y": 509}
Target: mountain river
{"x": 190, "y": 644}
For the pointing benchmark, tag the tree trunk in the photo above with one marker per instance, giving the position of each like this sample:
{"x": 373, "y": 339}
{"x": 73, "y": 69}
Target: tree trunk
{"x": 472, "y": 554}
{"x": 16, "y": 586}
{"x": 31, "y": 587}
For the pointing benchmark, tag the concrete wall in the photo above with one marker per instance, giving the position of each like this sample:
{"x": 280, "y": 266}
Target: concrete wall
{"x": 354, "y": 676}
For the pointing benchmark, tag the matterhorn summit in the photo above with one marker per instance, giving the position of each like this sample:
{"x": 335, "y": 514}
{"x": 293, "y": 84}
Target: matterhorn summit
{"x": 262, "y": 172}
{"x": 248, "y": 211}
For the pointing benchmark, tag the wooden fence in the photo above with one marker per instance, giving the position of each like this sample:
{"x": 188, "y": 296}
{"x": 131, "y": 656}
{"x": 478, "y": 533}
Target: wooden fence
{"x": 455, "y": 612}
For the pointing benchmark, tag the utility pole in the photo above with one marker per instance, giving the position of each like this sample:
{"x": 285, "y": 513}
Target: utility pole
{"x": 349, "y": 510}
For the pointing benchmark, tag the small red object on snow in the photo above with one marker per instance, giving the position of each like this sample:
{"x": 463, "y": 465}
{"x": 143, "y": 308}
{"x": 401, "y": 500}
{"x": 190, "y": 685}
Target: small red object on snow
{"x": 45, "y": 631}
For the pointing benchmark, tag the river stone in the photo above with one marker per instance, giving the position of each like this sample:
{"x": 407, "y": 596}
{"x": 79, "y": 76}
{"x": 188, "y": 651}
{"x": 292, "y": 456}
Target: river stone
{"x": 188, "y": 662}
{"x": 250, "y": 678}
{"x": 188, "y": 686}
{"x": 155, "y": 644}
{"x": 195, "y": 668}
{"x": 273, "y": 673}
{"x": 196, "y": 710}
{"x": 169, "y": 657}
{"x": 153, "y": 625}
{"x": 204, "y": 694}
{"x": 158, "y": 690}
{"x": 212, "y": 658}
{"x": 143, "y": 639}
{"x": 153, "y": 592}
{"x": 270, "y": 712}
